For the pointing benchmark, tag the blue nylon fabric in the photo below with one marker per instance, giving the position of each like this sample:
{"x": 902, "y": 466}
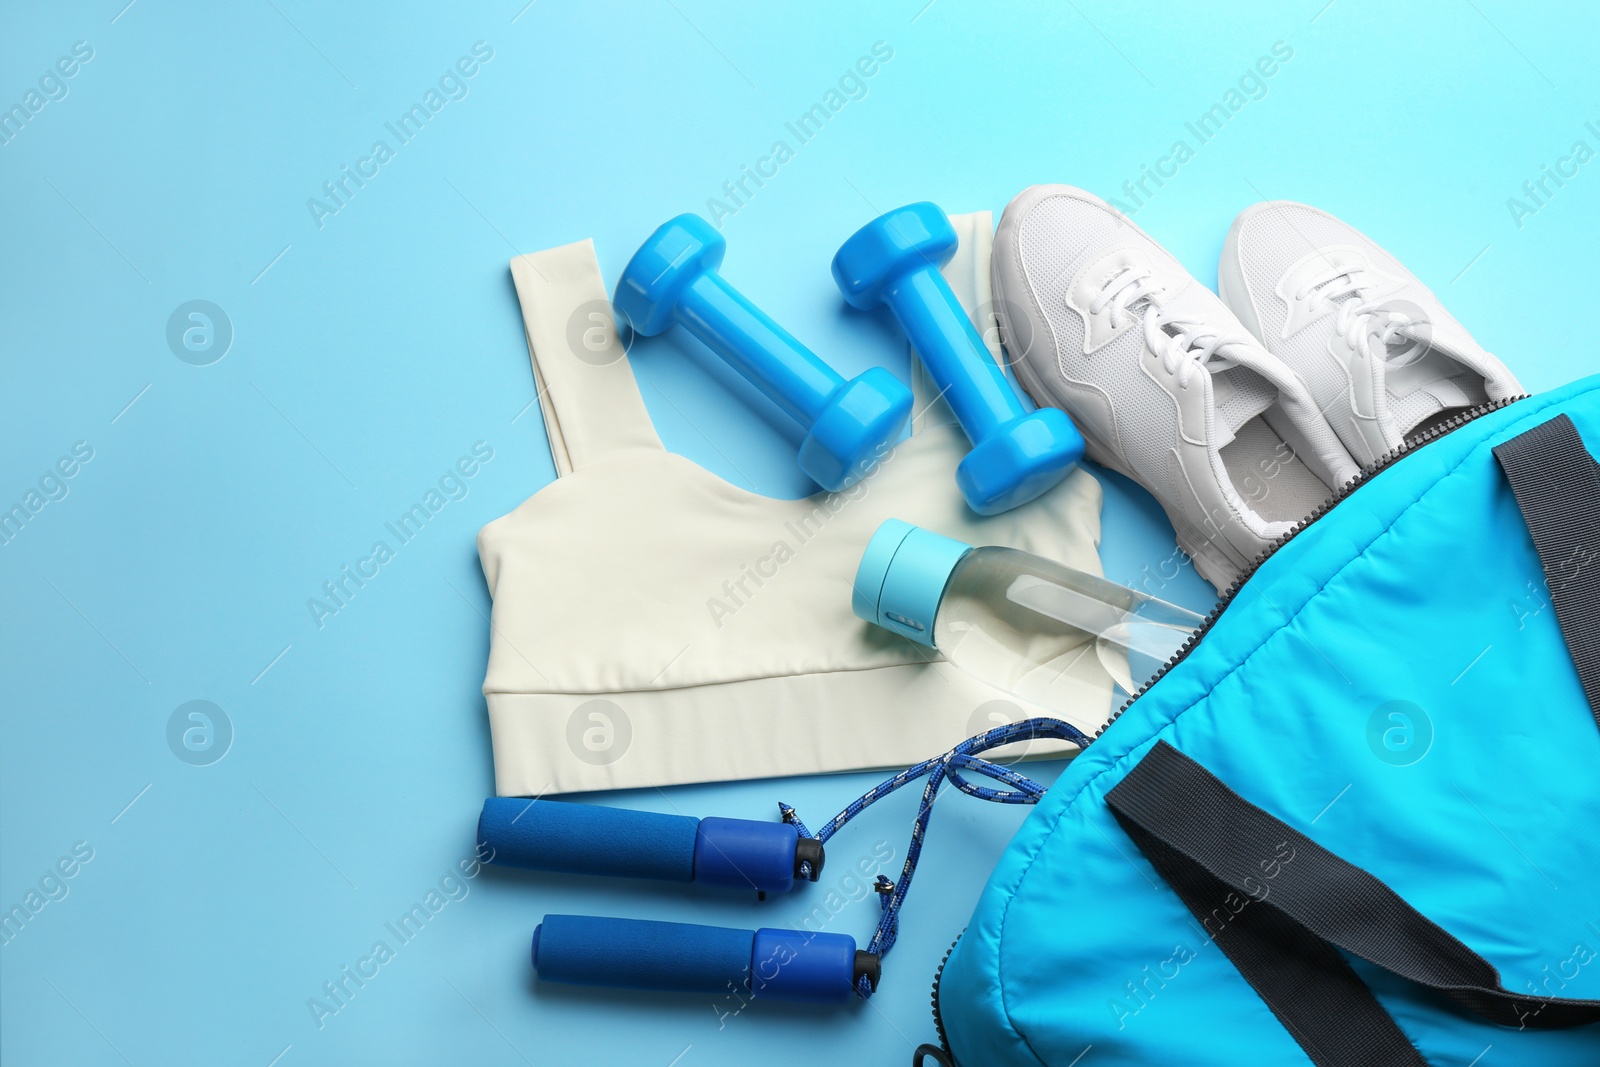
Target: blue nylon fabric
{"x": 1422, "y": 587}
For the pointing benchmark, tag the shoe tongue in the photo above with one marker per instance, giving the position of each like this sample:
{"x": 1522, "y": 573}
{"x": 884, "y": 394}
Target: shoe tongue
{"x": 1238, "y": 395}
{"x": 1422, "y": 387}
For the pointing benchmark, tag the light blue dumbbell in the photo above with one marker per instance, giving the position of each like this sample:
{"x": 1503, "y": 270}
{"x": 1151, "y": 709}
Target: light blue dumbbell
{"x": 673, "y": 279}
{"x": 1016, "y": 454}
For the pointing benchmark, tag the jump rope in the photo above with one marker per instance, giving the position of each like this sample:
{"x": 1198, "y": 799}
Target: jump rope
{"x": 780, "y": 964}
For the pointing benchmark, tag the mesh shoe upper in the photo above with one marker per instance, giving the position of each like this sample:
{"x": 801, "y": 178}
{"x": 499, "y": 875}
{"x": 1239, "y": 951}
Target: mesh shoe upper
{"x": 1379, "y": 352}
{"x": 1165, "y": 383}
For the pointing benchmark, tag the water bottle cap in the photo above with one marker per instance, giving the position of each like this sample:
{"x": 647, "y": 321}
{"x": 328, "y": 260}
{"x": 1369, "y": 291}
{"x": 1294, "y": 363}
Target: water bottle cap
{"x": 902, "y": 577}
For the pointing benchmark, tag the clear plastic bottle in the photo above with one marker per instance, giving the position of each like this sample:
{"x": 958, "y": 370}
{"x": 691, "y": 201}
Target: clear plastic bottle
{"x": 1042, "y": 630}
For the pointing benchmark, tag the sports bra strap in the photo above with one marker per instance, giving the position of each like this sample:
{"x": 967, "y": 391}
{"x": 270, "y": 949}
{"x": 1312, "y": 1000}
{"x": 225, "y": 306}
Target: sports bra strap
{"x": 587, "y": 392}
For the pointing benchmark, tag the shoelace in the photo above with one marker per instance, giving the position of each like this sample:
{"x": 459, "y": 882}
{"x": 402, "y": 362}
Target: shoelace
{"x": 1182, "y": 344}
{"x": 947, "y": 767}
{"x": 1361, "y": 320}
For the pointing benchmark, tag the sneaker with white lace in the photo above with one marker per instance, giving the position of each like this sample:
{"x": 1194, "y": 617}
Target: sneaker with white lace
{"x": 1382, "y": 357}
{"x": 1165, "y": 384}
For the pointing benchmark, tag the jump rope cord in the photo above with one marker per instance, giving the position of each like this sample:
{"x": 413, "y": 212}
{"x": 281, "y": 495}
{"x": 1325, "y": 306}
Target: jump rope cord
{"x": 938, "y": 770}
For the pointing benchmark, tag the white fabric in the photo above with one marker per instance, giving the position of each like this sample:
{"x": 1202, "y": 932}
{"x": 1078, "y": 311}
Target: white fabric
{"x": 1377, "y": 349}
{"x": 654, "y": 624}
{"x": 1167, "y": 385}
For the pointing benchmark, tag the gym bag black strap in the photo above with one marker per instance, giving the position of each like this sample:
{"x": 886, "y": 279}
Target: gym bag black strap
{"x": 1280, "y": 906}
{"x": 1557, "y": 485}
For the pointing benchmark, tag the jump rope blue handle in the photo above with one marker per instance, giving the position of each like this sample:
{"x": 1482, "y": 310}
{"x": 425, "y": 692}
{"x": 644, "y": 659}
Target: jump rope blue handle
{"x": 641, "y": 954}
{"x": 554, "y": 835}
{"x": 1016, "y": 454}
{"x": 778, "y": 964}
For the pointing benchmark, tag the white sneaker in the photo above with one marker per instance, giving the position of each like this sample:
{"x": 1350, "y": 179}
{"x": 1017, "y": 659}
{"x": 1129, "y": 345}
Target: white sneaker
{"x": 1382, "y": 357}
{"x": 1166, "y": 385}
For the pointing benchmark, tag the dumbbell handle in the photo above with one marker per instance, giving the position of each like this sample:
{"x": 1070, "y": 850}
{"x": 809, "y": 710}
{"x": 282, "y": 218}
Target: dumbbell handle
{"x": 680, "y": 957}
{"x": 786, "y": 371}
{"x": 945, "y": 339}
{"x": 553, "y": 835}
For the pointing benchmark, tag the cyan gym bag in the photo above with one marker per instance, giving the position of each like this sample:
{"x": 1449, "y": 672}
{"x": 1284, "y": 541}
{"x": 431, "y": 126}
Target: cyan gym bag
{"x": 1357, "y": 822}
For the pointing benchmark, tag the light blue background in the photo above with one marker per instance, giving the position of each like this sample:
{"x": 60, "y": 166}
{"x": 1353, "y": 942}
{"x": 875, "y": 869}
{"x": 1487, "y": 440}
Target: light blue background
{"x": 370, "y": 352}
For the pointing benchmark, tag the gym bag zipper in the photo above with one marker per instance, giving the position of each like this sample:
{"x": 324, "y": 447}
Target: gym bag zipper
{"x": 1367, "y": 473}
{"x": 928, "y": 1054}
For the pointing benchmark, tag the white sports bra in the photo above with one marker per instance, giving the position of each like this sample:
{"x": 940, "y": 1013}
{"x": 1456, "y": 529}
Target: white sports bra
{"x": 654, "y": 624}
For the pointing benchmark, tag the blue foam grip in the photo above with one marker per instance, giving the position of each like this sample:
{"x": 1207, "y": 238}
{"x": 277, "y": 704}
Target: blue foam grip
{"x": 801, "y": 965}
{"x": 555, "y": 835}
{"x": 743, "y": 854}
{"x": 640, "y": 954}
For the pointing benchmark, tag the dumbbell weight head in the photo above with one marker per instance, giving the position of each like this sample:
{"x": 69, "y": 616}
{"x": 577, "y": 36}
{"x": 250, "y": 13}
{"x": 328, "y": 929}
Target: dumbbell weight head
{"x": 1021, "y": 460}
{"x": 668, "y": 262}
{"x": 856, "y": 427}
{"x": 885, "y": 249}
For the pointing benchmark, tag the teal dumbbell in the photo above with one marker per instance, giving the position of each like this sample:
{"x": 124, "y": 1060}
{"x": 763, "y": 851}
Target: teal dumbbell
{"x": 673, "y": 280}
{"x": 1016, "y": 454}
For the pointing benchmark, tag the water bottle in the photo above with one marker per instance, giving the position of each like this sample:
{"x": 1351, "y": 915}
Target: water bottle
{"x": 1014, "y": 619}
